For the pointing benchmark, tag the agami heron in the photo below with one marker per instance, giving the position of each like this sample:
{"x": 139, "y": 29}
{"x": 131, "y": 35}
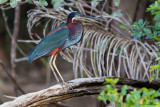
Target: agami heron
{"x": 58, "y": 39}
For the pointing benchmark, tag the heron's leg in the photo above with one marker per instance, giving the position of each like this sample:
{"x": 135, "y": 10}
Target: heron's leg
{"x": 54, "y": 64}
{"x": 50, "y": 63}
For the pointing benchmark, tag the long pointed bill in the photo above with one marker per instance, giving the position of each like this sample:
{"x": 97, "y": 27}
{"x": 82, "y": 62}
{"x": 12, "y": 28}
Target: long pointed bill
{"x": 82, "y": 15}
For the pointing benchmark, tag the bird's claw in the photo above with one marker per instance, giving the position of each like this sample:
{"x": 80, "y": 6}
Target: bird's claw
{"x": 66, "y": 85}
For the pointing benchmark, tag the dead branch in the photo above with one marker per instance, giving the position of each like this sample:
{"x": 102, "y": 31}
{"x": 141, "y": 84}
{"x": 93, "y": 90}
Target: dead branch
{"x": 14, "y": 37}
{"x": 9, "y": 30}
{"x": 12, "y": 79}
{"x": 13, "y": 41}
{"x": 73, "y": 88}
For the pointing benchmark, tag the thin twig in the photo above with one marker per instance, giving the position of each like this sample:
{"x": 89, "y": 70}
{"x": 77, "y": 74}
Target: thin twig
{"x": 12, "y": 79}
{"x": 21, "y": 59}
{"x": 7, "y": 6}
{"x": 28, "y": 41}
{"x": 14, "y": 38}
{"x": 13, "y": 41}
{"x": 9, "y": 31}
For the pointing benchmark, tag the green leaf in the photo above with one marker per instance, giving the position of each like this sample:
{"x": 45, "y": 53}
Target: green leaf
{"x": 142, "y": 34}
{"x": 94, "y": 3}
{"x": 155, "y": 10}
{"x": 3, "y": 1}
{"x": 153, "y": 77}
{"x": 101, "y": 98}
{"x": 156, "y": 38}
{"x": 153, "y": 67}
{"x": 102, "y": 93}
{"x": 135, "y": 23}
{"x": 135, "y": 27}
{"x": 136, "y": 37}
{"x": 134, "y": 33}
{"x": 13, "y": 3}
{"x": 43, "y": 2}
{"x": 143, "y": 24}
{"x": 57, "y": 3}
{"x": 140, "y": 21}
{"x": 109, "y": 88}
{"x": 122, "y": 27}
{"x": 108, "y": 80}
{"x": 119, "y": 50}
{"x": 158, "y": 24}
{"x": 147, "y": 31}
{"x": 124, "y": 90}
{"x": 29, "y": 1}
{"x": 157, "y": 94}
{"x": 116, "y": 2}
{"x": 149, "y": 37}
{"x": 158, "y": 69}
{"x": 157, "y": 17}
{"x": 116, "y": 80}
{"x": 117, "y": 13}
{"x": 151, "y": 92}
{"x": 112, "y": 97}
{"x": 145, "y": 91}
{"x": 111, "y": 81}
{"x": 118, "y": 105}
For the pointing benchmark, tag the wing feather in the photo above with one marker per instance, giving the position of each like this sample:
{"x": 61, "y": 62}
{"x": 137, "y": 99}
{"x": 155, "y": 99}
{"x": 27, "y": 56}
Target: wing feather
{"x": 49, "y": 43}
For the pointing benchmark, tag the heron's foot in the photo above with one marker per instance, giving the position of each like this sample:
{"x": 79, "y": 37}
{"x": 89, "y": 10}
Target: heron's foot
{"x": 66, "y": 85}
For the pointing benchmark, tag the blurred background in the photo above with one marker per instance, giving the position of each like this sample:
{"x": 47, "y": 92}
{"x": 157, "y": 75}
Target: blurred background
{"x": 36, "y": 76}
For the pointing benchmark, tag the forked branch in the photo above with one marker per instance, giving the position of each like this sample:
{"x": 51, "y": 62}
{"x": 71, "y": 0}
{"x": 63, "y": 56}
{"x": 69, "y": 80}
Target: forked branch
{"x": 73, "y": 88}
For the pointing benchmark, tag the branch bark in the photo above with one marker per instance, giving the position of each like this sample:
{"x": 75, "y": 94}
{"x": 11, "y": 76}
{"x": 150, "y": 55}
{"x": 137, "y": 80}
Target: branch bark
{"x": 73, "y": 88}
{"x": 14, "y": 38}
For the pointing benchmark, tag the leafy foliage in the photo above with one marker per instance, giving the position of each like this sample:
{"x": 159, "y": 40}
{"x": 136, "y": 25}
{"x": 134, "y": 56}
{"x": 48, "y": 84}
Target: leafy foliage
{"x": 156, "y": 67}
{"x": 43, "y": 2}
{"x": 117, "y": 14}
{"x": 155, "y": 10}
{"x": 13, "y": 3}
{"x": 136, "y": 98}
{"x": 3, "y": 1}
{"x": 142, "y": 29}
{"x": 119, "y": 50}
{"x": 123, "y": 27}
{"x": 94, "y": 3}
{"x": 57, "y": 3}
{"x": 116, "y": 2}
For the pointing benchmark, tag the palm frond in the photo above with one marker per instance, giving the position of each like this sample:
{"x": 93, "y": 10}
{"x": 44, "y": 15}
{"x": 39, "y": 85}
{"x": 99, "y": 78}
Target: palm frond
{"x": 101, "y": 52}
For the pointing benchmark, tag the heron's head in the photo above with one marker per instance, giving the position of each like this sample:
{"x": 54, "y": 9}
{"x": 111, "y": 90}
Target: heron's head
{"x": 75, "y": 15}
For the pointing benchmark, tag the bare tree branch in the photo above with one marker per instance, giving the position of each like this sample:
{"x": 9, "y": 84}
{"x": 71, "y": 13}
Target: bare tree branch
{"x": 73, "y": 88}
{"x": 13, "y": 41}
{"x": 9, "y": 31}
{"x": 14, "y": 37}
{"x": 12, "y": 79}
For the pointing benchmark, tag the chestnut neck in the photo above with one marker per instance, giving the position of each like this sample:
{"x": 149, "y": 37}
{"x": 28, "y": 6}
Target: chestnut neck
{"x": 72, "y": 25}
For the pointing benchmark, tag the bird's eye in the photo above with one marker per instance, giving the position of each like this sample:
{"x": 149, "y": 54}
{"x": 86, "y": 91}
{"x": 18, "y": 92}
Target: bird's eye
{"x": 73, "y": 20}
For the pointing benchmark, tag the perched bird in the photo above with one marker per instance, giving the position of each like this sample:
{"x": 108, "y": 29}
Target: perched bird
{"x": 58, "y": 39}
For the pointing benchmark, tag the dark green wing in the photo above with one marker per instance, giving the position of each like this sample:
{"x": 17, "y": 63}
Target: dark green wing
{"x": 49, "y": 43}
